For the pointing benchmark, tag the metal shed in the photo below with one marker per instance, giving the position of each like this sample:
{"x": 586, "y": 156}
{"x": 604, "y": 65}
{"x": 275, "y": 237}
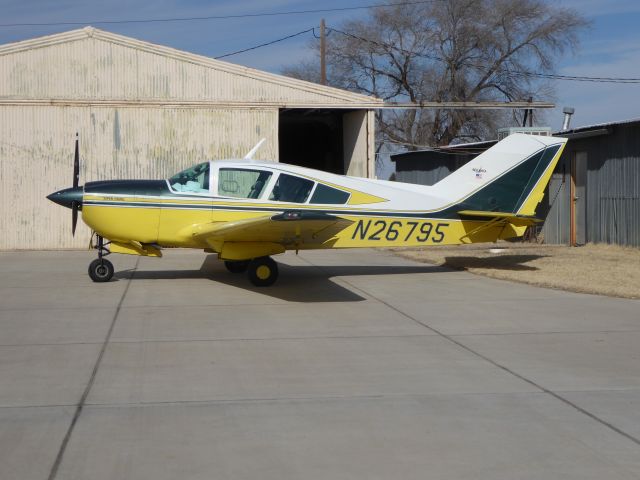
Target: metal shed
{"x": 427, "y": 167}
{"x": 146, "y": 111}
{"x": 599, "y": 170}
{"x": 594, "y": 194}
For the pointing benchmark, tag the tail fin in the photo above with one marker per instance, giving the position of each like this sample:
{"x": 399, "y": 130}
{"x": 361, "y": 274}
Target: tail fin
{"x": 510, "y": 177}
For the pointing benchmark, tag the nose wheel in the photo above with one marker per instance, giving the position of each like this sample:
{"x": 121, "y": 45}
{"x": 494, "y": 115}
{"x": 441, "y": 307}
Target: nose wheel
{"x": 262, "y": 271}
{"x": 101, "y": 269}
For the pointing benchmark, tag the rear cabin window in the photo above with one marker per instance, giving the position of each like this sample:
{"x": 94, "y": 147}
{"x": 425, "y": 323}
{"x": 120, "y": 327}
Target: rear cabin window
{"x": 291, "y": 189}
{"x": 241, "y": 183}
{"x": 324, "y": 194}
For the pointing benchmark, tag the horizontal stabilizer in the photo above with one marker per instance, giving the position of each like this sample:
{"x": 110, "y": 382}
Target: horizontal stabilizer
{"x": 509, "y": 217}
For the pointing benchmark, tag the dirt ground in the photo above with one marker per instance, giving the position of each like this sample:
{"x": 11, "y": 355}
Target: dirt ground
{"x": 595, "y": 268}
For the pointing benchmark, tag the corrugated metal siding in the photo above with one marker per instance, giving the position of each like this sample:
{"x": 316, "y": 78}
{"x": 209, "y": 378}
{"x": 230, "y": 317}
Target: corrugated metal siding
{"x": 612, "y": 188}
{"x": 613, "y": 199}
{"x": 36, "y": 156}
{"x": 427, "y": 167}
{"x": 423, "y": 177}
{"x": 554, "y": 208}
{"x": 124, "y": 69}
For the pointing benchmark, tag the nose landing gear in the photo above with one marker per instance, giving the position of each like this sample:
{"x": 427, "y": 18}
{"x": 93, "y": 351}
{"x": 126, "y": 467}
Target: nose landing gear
{"x": 101, "y": 269}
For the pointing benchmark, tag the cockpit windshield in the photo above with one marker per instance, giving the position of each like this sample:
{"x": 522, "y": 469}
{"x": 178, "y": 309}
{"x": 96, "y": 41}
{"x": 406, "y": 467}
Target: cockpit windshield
{"x": 194, "y": 179}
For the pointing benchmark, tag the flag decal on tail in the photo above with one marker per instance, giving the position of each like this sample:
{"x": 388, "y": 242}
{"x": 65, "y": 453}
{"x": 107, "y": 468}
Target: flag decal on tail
{"x": 479, "y": 172}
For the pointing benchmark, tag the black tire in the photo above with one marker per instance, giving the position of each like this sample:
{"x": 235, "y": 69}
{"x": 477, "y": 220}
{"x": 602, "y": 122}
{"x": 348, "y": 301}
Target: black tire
{"x": 263, "y": 271}
{"x": 101, "y": 270}
{"x": 236, "y": 266}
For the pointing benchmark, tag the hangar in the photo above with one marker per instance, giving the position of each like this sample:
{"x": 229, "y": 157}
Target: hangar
{"x": 147, "y": 111}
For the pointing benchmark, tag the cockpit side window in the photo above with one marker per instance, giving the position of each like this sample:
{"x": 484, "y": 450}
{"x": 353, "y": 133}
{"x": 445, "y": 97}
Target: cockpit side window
{"x": 193, "y": 180}
{"x": 329, "y": 195}
{"x": 291, "y": 189}
{"x": 242, "y": 183}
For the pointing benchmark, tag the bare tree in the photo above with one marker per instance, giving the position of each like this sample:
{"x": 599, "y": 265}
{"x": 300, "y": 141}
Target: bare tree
{"x": 447, "y": 50}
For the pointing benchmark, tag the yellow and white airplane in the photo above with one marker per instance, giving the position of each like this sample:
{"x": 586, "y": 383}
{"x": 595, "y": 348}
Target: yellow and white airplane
{"x": 246, "y": 210}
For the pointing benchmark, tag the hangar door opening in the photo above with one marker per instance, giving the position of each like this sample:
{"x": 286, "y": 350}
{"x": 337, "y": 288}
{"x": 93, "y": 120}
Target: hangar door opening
{"x": 312, "y": 138}
{"x": 337, "y": 141}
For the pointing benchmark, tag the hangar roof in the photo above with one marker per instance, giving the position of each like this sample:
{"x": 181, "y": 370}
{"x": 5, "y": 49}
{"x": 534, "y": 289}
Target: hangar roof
{"x": 89, "y": 65}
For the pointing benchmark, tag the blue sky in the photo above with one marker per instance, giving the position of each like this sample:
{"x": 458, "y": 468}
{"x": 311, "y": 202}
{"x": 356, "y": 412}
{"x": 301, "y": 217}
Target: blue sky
{"x": 611, "y": 47}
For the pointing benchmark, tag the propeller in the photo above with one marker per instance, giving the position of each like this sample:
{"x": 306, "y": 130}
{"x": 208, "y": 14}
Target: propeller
{"x": 76, "y": 176}
{"x": 71, "y": 197}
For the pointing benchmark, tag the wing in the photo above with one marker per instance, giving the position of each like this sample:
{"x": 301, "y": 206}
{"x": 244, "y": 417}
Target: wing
{"x": 270, "y": 234}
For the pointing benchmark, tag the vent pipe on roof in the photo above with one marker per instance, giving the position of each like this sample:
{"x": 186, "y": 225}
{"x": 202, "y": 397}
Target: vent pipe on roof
{"x": 568, "y": 111}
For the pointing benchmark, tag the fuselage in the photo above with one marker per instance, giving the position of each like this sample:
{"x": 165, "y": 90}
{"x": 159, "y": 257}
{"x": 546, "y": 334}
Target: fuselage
{"x": 163, "y": 212}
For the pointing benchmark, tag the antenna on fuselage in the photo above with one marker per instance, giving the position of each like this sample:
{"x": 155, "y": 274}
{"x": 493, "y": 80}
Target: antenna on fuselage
{"x": 249, "y": 156}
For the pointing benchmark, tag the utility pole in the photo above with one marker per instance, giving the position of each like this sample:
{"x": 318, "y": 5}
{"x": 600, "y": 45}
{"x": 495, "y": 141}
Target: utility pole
{"x": 528, "y": 113}
{"x": 323, "y": 54}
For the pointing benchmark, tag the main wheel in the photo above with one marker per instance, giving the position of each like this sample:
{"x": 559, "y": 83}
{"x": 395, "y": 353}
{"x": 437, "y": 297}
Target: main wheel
{"x": 263, "y": 271}
{"x": 236, "y": 266}
{"x": 101, "y": 270}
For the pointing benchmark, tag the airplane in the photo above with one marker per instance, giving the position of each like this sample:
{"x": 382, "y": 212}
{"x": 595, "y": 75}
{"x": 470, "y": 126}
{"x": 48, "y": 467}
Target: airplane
{"x": 246, "y": 211}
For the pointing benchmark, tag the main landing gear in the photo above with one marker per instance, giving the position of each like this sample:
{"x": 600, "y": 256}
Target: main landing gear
{"x": 101, "y": 269}
{"x": 262, "y": 271}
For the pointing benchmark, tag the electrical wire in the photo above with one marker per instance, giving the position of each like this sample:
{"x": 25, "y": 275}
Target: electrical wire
{"x": 552, "y": 76}
{"x": 329, "y": 30}
{"x": 386, "y": 45}
{"x": 219, "y": 17}
{"x": 433, "y": 57}
{"x": 265, "y": 44}
{"x": 549, "y": 76}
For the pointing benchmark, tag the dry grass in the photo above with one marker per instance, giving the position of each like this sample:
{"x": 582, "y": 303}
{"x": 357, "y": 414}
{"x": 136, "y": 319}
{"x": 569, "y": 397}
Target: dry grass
{"x": 595, "y": 268}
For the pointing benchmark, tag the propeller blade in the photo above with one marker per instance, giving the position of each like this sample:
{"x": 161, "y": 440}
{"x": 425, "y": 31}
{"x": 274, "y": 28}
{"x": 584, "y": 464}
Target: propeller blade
{"x": 74, "y": 217}
{"x": 76, "y": 165}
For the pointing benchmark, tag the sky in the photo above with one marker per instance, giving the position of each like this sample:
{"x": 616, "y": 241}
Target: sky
{"x": 610, "y": 47}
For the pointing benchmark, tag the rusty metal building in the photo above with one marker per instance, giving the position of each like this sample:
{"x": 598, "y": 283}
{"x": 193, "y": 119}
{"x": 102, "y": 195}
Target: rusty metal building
{"x": 147, "y": 111}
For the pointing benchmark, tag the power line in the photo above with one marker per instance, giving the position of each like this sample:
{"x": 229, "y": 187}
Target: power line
{"x": 433, "y": 57}
{"x": 549, "y": 76}
{"x": 219, "y": 17}
{"x": 552, "y": 76}
{"x": 385, "y": 45}
{"x": 265, "y": 44}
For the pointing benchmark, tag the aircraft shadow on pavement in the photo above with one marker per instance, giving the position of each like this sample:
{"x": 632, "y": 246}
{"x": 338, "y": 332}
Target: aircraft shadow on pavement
{"x": 299, "y": 283}
{"x": 499, "y": 262}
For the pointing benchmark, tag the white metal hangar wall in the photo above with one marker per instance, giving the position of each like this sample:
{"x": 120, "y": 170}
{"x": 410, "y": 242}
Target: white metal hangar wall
{"x": 147, "y": 111}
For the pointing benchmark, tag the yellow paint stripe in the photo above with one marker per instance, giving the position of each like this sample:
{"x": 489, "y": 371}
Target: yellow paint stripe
{"x": 537, "y": 194}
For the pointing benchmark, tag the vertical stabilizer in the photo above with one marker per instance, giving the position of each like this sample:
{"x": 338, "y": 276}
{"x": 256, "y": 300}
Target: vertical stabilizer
{"x": 510, "y": 177}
